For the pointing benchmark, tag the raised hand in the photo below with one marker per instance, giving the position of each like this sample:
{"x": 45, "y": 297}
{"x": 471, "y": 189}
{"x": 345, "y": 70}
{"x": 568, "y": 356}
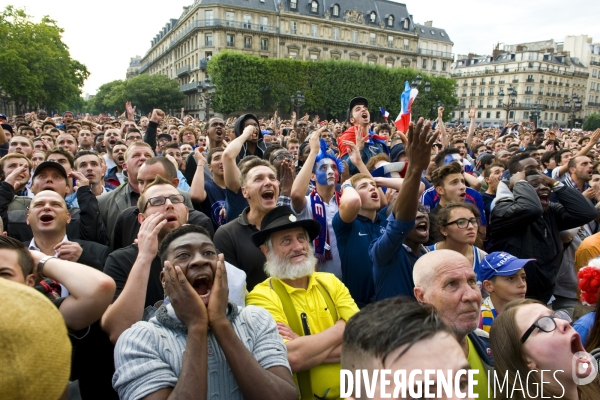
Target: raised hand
{"x": 472, "y": 112}
{"x": 157, "y": 115}
{"x": 287, "y": 175}
{"x": 418, "y": 150}
{"x": 360, "y": 137}
{"x": 353, "y": 152}
{"x": 18, "y": 176}
{"x": 148, "y": 234}
{"x": 441, "y": 113}
{"x": 130, "y": 111}
{"x": 80, "y": 179}
{"x": 219, "y": 294}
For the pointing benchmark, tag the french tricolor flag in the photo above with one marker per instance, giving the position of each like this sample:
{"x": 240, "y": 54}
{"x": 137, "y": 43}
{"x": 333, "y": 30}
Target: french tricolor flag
{"x": 384, "y": 113}
{"x": 406, "y": 99}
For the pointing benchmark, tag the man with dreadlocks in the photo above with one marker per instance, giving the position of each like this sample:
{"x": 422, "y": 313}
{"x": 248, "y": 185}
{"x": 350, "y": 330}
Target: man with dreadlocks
{"x": 322, "y": 203}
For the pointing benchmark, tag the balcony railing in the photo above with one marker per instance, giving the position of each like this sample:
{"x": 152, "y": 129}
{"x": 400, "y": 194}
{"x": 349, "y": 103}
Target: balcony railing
{"x": 559, "y": 83}
{"x": 436, "y": 53}
{"x": 529, "y": 92}
{"x": 473, "y": 83}
{"x": 183, "y": 70}
{"x": 540, "y": 93}
{"x": 541, "y": 81}
{"x": 515, "y": 81}
{"x": 203, "y": 64}
{"x": 189, "y": 87}
{"x": 530, "y": 80}
{"x": 590, "y": 103}
{"x": 594, "y": 63}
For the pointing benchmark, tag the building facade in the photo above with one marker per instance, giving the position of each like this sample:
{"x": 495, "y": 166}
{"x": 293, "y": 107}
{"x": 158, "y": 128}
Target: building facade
{"x": 543, "y": 77}
{"x": 588, "y": 52}
{"x": 370, "y": 31}
{"x": 134, "y": 67}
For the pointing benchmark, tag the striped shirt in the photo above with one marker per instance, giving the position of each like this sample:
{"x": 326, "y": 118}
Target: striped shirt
{"x": 488, "y": 314}
{"x": 149, "y": 355}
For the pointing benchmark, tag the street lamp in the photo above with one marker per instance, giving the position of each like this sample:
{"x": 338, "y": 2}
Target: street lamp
{"x": 534, "y": 113}
{"x": 415, "y": 84}
{"x": 573, "y": 107}
{"x": 297, "y": 102}
{"x": 208, "y": 90}
{"x": 512, "y": 96}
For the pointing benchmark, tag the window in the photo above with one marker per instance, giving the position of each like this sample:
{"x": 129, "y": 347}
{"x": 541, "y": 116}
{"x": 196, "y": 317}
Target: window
{"x": 293, "y": 55}
{"x": 247, "y": 21}
{"x": 264, "y": 24}
{"x": 406, "y": 23}
{"x": 247, "y": 42}
{"x": 336, "y": 33}
{"x": 264, "y": 44}
{"x": 208, "y": 16}
{"x": 488, "y": 114}
{"x": 434, "y": 64}
{"x": 406, "y": 44}
{"x": 372, "y": 39}
{"x": 481, "y": 104}
{"x": 293, "y": 4}
{"x": 373, "y": 17}
{"x": 354, "y": 36}
{"x": 229, "y": 18}
{"x": 391, "y": 42}
{"x": 293, "y": 27}
{"x": 390, "y": 20}
{"x": 497, "y": 114}
{"x": 314, "y": 57}
{"x": 315, "y": 30}
{"x": 230, "y": 40}
{"x": 336, "y": 10}
{"x": 424, "y": 64}
{"x": 512, "y": 115}
{"x": 208, "y": 39}
{"x": 314, "y": 6}
{"x": 389, "y": 64}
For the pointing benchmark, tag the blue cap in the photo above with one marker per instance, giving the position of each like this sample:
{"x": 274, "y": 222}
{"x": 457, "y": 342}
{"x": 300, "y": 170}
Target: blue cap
{"x": 3, "y": 116}
{"x": 396, "y": 151}
{"x": 500, "y": 263}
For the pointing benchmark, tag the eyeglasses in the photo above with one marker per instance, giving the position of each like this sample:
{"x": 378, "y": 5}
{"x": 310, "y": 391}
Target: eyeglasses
{"x": 546, "y": 324}
{"x": 160, "y": 200}
{"x": 284, "y": 156}
{"x": 134, "y": 138}
{"x": 462, "y": 223}
{"x": 202, "y": 140}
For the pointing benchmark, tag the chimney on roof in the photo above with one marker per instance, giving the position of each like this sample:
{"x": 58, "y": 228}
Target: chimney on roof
{"x": 496, "y": 52}
{"x": 428, "y": 23}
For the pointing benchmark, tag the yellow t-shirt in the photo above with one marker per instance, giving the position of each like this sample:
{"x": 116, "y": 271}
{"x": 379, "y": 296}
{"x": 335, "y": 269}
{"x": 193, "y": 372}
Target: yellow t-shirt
{"x": 481, "y": 388}
{"x": 311, "y": 302}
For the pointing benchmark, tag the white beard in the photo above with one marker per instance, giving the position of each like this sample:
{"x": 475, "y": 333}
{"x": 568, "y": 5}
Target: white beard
{"x": 282, "y": 268}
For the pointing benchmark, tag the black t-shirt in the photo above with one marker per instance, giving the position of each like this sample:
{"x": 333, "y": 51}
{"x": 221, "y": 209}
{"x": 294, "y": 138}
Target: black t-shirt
{"x": 233, "y": 240}
{"x": 213, "y": 203}
{"x": 118, "y": 266}
{"x": 487, "y": 203}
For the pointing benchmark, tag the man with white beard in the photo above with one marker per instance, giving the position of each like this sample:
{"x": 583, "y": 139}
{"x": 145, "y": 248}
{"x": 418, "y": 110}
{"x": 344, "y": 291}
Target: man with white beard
{"x": 310, "y": 308}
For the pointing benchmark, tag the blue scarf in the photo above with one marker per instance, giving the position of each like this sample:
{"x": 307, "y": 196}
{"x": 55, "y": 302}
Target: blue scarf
{"x": 322, "y": 245}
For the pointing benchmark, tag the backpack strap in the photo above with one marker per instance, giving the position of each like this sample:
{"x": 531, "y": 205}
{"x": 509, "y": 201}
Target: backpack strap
{"x": 304, "y": 381}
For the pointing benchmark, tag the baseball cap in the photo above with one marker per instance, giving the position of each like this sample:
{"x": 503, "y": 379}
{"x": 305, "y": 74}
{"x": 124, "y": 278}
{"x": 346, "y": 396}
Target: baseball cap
{"x": 500, "y": 263}
{"x": 396, "y": 151}
{"x": 353, "y": 102}
{"x": 49, "y": 164}
{"x": 165, "y": 136}
{"x": 3, "y": 116}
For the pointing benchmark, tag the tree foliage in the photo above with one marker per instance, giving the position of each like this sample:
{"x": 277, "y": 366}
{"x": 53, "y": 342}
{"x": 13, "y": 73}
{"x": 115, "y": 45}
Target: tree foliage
{"x": 144, "y": 91}
{"x": 248, "y": 82}
{"x": 592, "y": 122}
{"x": 36, "y": 68}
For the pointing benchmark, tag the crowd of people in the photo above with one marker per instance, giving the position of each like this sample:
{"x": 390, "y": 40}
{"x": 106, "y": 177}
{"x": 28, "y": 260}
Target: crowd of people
{"x": 256, "y": 258}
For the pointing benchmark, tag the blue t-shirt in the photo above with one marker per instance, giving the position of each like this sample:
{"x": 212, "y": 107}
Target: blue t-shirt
{"x": 431, "y": 198}
{"x": 392, "y": 266}
{"x": 213, "y": 203}
{"x": 235, "y": 204}
{"x": 353, "y": 240}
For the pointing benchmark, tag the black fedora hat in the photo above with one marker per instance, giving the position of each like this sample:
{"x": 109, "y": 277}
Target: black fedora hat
{"x": 282, "y": 218}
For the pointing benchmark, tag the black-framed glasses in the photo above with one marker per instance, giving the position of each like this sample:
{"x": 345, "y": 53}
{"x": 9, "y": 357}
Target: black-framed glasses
{"x": 462, "y": 223}
{"x": 160, "y": 200}
{"x": 546, "y": 324}
{"x": 284, "y": 156}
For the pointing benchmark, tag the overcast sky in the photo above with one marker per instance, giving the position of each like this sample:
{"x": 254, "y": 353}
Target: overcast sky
{"x": 105, "y": 35}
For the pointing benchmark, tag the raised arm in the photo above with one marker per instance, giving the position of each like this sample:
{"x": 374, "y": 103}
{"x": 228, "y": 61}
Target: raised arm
{"x": 150, "y": 136}
{"x": 90, "y": 291}
{"x": 442, "y": 128}
{"x": 472, "y": 115}
{"x": 230, "y": 169}
{"x": 128, "y": 308}
{"x": 301, "y": 182}
{"x": 197, "y": 190}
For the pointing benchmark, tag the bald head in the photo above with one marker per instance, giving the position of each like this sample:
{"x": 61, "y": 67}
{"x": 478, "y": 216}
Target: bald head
{"x": 427, "y": 267}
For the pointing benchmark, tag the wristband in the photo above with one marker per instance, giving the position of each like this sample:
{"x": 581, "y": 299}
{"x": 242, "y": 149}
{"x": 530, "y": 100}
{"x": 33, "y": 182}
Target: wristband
{"x": 347, "y": 185}
{"x": 40, "y": 265}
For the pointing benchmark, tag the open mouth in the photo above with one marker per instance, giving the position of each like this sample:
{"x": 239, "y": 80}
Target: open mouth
{"x": 422, "y": 228}
{"x": 90, "y": 176}
{"x": 375, "y": 196}
{"x": 544, "y": 199}
{"x": 46, "y": 218}
{"x": 576, "y": 344}
{"x": 365, "y": 115}
{"x": 463, "y": 195}
{"x": 171, "y": 218}
{"x": 202, "y": 286}
{"x": 268, "y": 195}
{"x": 112, "y": 141}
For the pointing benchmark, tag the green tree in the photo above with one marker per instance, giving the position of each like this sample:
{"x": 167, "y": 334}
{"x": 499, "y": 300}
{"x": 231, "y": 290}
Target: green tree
{"x": 249, "y": 82}
{"x": 592, "y": 122}
{"x": 36, "y": 68}
{"x": 146, "y": 92}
